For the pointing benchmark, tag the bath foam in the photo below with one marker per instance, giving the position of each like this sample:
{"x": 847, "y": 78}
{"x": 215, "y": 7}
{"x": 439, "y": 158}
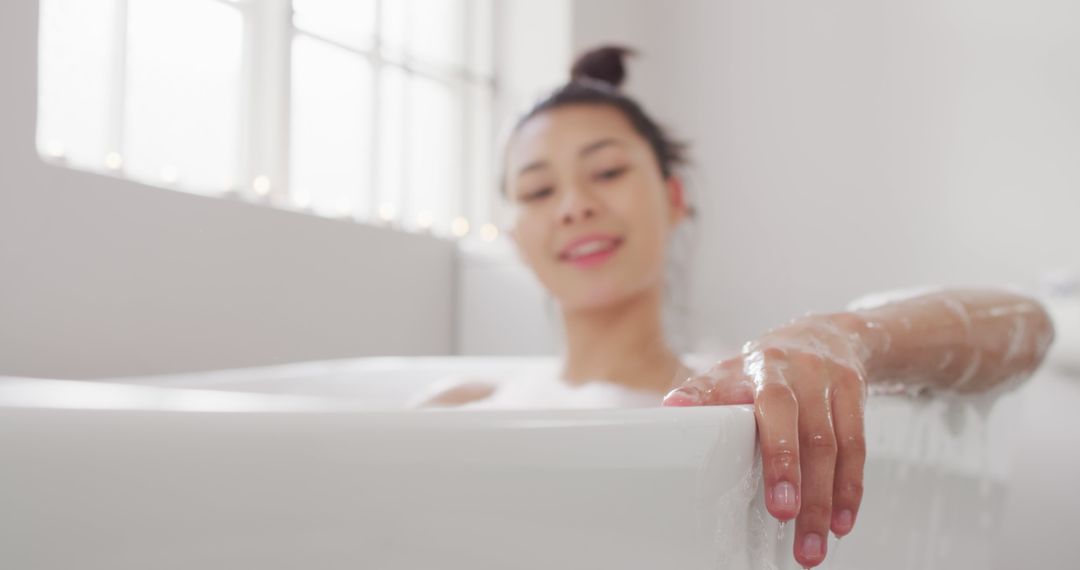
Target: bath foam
{"x": 540, "y": 388}
{"x": 541, "y": 392}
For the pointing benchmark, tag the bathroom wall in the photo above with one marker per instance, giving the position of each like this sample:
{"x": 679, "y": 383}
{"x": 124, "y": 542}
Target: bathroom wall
{"x": 102, "y": 277}
{"x": 502, "y": 309}
{"x": 842, "y": 147}
{"x": 839, "y": 148}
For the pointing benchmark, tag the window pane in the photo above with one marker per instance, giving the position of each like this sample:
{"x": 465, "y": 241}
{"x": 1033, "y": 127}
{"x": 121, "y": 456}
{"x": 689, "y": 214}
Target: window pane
{"x": 351, "y": 22}
{"x": 183, "y": 77}
{"x": 394, "y": 28}
{"x": 435, "y": 151}
{"x": 391, "y": 148}
{"x": 75, "y": 68}
{"x": 481, "y": 38}
{"x": 331, "y": 128}
{"x": 483, "y": 176}
{"x": 437, "y": 32}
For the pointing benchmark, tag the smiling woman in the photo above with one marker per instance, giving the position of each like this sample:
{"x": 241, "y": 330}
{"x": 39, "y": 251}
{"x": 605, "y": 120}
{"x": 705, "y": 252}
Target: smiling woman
{"x": 596, "y": 201}
{"x": 596, "y": 198}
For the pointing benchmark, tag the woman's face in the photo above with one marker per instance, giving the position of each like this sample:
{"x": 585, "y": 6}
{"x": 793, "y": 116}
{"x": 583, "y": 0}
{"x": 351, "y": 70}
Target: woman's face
{"x": 592, "y": 210}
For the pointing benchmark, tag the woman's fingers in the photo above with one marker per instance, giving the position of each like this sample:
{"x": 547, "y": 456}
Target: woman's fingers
{"x": 810, "y": 417}
{"x": 730, "y": 385}
{"x": 817, "y": 442}
{"x": 777, "y": 413}
{"x": 723, "y": 385}
{"x": 848, "y": 403}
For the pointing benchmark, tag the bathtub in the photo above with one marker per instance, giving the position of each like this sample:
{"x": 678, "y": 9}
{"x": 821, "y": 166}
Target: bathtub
{"x": 315, "y": 465}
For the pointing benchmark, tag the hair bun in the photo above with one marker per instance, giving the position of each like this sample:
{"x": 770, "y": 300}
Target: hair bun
{"x": 604, "y": 63}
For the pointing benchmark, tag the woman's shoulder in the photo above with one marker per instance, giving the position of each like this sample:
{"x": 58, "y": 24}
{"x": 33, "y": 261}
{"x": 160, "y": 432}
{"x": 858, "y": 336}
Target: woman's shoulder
{"x": 459, "y": 392}
{"x": 462, "y": 389}
{"x": 454, "y": 390}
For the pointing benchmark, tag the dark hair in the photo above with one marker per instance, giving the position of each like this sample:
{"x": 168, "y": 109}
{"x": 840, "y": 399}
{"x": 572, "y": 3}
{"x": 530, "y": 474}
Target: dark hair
{"x": 594, "y": 80}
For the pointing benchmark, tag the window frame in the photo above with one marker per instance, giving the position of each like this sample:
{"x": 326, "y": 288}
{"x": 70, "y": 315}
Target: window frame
{"x": 264, "y": 113}
{"x": 269, "y": 34}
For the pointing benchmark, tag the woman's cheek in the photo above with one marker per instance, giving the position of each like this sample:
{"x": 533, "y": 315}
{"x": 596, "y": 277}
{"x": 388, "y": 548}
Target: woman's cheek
{"x": 649, "y": 240}
{"x": 534, "y": 246}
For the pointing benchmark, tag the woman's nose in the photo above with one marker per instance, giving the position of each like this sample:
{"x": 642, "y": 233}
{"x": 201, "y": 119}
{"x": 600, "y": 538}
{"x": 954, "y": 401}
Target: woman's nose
{"x": 582, "y": 213}
{"x": 575, "y": 209}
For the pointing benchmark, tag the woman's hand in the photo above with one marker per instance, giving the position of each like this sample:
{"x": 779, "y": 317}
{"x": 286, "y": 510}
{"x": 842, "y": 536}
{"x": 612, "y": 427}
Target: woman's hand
{"x": 808, "y": 385}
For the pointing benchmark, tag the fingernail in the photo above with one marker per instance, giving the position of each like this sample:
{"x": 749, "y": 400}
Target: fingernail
{"x": 843, "y": 521}
{"x": 784, "y": 496}
{"x": 683, "y": 396}
{"x": 811, "y": 545}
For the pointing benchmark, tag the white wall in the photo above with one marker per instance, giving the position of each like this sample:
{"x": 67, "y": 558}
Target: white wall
{"x": 847, "y": 146}
{"x": 100, "y": 276}
{"x": 535, "y": 52}
{"x": 502, "y": 308}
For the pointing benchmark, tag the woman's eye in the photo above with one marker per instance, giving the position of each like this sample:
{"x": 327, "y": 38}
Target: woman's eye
{"x": 538, "y": 194}
{"x": 611, "y": 173}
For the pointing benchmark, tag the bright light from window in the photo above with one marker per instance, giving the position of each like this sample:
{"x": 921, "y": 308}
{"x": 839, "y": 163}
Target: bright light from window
{"x": 435, "y": 138}
{"x": 169, "y": 174}
{"x": 301, "y": 200}
{"x": 75, "y": 79}
{"x": 113, "y": 161}
{"x": 437, "y": 34}
{"x": 377, "y": 110}
{"x": 55, "y": 150}
{"x": 126, "y": 81}
{"x": 261, "y": 185}
{"x": 459, "y": 227}
{"x": 386, "y": 213}
{"x": 391, "y": 132}
{"x": 424, "y": 220}
{"x": 351, "y": 22}
{"x": 331, "y": 123}
{"x": 182, "y": 97}
{"x": 344, "y": 209}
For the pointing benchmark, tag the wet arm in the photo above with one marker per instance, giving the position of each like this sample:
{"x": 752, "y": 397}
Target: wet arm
{"x": 961, "y": 340}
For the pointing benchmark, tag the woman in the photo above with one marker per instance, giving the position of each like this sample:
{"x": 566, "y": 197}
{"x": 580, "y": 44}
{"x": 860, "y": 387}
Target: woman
{"x": 596, "y": 197}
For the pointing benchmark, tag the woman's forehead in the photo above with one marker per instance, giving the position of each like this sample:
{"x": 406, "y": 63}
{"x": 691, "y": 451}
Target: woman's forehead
{"x": 566, "y": 130}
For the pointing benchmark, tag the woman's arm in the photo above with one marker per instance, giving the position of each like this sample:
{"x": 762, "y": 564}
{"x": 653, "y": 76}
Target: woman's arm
{"x": 808, "y": 383}
{"x": 458, "y": 395}
{"x": 962, "y": 340}
{"x": 452, "y": 392}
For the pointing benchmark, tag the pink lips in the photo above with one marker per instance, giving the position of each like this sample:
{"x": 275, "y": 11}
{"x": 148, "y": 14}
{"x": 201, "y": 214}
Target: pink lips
{"x": 590, "y": 250}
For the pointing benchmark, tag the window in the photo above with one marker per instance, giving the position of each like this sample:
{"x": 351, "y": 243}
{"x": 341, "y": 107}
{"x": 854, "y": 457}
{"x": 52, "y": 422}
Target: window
{"x": 373, "y": 110}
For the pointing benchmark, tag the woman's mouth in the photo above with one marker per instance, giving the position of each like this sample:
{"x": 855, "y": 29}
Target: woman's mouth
{"x": 590, "y": 251}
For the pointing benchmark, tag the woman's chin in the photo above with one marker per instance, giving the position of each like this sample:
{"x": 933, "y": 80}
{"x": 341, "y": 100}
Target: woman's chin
{"x": 613, "y": 287}
{"x": 598, "y": 299}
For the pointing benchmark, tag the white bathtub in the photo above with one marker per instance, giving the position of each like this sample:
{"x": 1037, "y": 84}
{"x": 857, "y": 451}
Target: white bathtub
{"x": 312, "y": 466}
